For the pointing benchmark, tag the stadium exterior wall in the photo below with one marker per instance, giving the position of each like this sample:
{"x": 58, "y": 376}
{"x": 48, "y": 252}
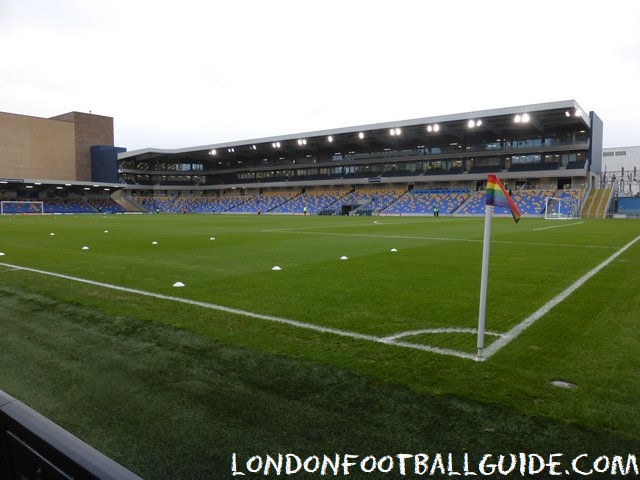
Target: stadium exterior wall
{"x": 90, "y": 130}
{"x": 57, "y": 148}
{"x": 32, "y": 144}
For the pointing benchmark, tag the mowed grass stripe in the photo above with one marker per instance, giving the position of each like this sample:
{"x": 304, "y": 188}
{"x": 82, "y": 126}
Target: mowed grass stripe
{"x": 375, "y": 292}
{"x": 391, "y": 340}
{"x": 171, "y": 389}
{"x": 374, "y": 295}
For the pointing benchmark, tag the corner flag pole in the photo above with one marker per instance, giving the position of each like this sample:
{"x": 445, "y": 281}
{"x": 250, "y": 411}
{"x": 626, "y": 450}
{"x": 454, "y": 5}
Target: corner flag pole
{"x": 488, "y": 213}
{"x": 496, "y": 195}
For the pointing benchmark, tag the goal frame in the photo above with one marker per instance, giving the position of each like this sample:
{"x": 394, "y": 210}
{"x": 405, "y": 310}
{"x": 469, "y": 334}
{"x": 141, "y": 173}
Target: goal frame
{"x": 560, "y": 208}
{"x": 37, "y": 203}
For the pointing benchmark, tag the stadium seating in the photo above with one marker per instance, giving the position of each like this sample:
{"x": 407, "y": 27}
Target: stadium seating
{"x": 106, "y": 206}
{"x": 362, "y": 201}
{"x": 529, "y": 202}
{"x": 423, "y": 202}
{"x": 67, "y": 205}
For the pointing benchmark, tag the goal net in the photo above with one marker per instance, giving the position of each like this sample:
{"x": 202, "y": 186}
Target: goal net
{"x": 13, "y": 207}
{"x": 560, "y": 208}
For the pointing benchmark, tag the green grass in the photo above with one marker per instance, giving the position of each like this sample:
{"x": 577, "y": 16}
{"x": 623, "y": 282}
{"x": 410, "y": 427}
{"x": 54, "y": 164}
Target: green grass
{"x": 170, "y": 390}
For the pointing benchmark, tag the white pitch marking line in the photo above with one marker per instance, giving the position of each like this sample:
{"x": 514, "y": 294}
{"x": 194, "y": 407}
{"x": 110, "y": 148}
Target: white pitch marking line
{"x": 502, "y": 341}
{"x": 558, "y": 226}
{"x": 445, "y": 239}
{"x": 411, "y": 333}
{"x": 531, "y": 319}
{"x": 270, "y": 318}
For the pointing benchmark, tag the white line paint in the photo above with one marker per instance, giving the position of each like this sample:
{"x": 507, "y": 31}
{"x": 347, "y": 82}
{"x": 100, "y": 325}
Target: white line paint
{"x": 432, "y": 331}
{"x": 245, "y": 313}
{"x": 558, "y": 226}
{"x": 503, "y": 339}
{"x": 446, "y": 239}
{"x": 531, "y": 319}
{"x": 375, "y": 235}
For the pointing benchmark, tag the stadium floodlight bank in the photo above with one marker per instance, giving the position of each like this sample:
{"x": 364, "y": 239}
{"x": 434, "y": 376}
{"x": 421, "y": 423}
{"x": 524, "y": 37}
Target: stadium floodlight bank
{"x": 14, "y": 207}
{"x": 560, "y": 208}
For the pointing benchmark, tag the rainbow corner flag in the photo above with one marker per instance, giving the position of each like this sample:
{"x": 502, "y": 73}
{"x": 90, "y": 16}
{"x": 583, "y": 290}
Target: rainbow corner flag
{"x": 498, "y": 196}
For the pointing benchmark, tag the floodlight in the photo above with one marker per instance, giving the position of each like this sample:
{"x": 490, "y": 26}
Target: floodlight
{"x": 361, "y": 135}
{"x": 212, "y": 151}
{"x": 330, "y": 138}
{"x": 517, "y": 119}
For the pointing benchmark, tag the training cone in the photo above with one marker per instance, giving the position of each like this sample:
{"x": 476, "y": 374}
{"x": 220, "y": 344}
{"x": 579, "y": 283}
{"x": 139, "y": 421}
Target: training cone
{"x": 178, "y": 284}
{"x": 85, "y": 248}
{"x": 394, "y": 250}
{"x": 154, "y": 243}
{"x": 344, "y": 257}
{"x": 276, "y": 268}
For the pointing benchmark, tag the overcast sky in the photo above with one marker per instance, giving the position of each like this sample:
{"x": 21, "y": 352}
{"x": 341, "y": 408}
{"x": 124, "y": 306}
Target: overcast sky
{"x": 186, "y": 73}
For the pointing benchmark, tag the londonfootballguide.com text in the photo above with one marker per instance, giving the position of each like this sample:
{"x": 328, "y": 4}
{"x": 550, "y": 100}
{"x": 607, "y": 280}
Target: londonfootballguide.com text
{"x": 438, "y": 464}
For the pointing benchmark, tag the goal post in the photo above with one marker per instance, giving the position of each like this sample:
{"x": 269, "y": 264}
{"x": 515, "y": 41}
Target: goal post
{"x": 15, "y": 207}
{"x": 560, "y": 208}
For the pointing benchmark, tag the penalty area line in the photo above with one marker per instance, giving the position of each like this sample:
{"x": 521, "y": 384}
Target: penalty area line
{"x": 234, "y": 311}
{"x": 558, "y": 226}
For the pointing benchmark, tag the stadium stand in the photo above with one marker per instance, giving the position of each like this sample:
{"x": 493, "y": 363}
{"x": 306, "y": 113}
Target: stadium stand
{"x": 423, "y": 202}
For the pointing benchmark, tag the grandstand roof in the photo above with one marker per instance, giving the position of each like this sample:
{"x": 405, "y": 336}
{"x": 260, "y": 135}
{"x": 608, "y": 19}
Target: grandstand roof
{"x": 453, "y": 129}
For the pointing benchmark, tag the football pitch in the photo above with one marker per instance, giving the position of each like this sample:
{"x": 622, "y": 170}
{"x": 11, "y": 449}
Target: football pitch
{"x": 172, "y": 342}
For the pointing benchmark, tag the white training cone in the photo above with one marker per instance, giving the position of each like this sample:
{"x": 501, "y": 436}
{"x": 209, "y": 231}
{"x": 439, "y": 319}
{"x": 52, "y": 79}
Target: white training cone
{"x": 178, "y": 284}
{"x": 212, "y": 238}
{"x": 52, "y": 234}
{"x": 85, "y": 248}
{"x": 1, "y": 254}
{"x": 344, "y": 257}
{"x": 276, "y": 268}
{"x": 154, "y": 243}
{"x": 106, "y": 231}
{"x": 394, "y": 249}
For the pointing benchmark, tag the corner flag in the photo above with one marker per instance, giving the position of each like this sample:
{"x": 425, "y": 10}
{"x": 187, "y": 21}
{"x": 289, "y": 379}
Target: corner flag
{"x": 496, "y": 196}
